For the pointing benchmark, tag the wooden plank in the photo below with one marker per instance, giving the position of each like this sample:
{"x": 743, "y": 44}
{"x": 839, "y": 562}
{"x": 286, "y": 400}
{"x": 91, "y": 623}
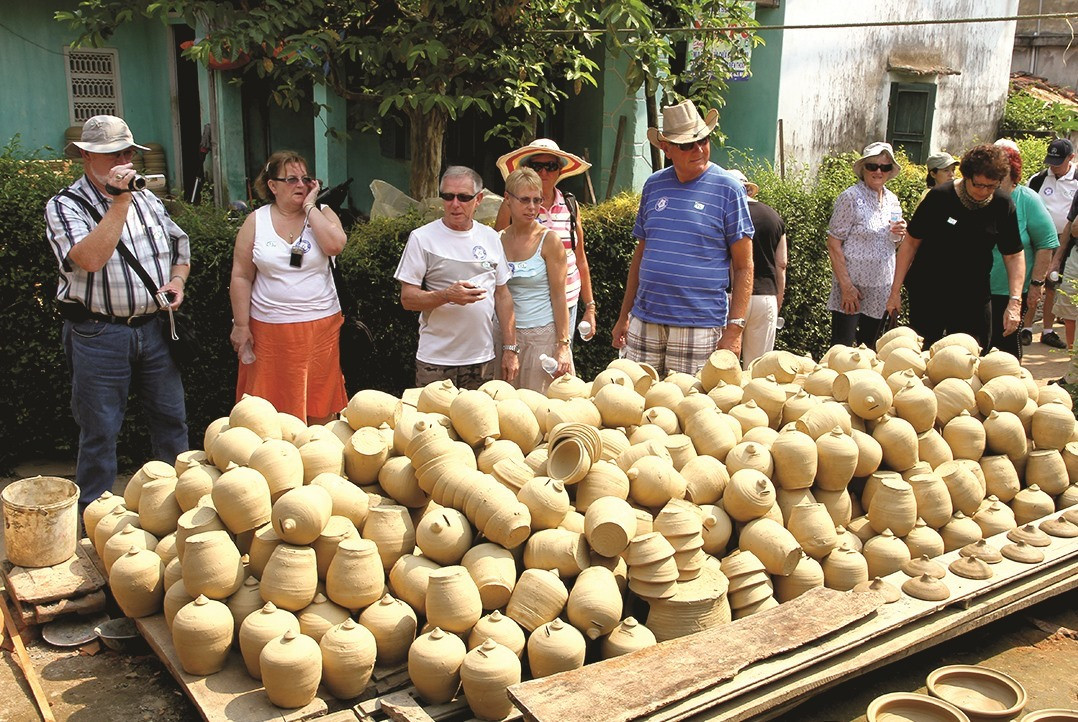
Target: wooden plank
{"x": 457, "y": 710}
{"x": 230, "y": 694}
{"x": 72, "y": 578}
{"x": 26, "y": 664}
{"x": 678, "y": 668}
{"x": 49, "y": 611}
{"x": 90, "y": 553}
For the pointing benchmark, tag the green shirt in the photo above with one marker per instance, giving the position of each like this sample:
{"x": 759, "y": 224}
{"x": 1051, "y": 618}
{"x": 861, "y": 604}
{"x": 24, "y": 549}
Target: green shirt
{"x": 1038, "y": 232}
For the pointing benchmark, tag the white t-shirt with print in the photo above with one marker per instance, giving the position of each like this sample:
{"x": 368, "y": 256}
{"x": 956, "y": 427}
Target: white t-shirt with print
{"x": 435, "y": 258}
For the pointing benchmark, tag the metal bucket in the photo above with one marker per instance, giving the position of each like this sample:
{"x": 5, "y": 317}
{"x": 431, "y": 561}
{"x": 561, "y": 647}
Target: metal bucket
{"x": 40, "y": 521}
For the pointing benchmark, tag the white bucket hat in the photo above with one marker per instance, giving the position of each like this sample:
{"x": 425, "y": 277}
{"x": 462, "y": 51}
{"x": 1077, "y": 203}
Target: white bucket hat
{"x": 103, "y": 134}
{"x": 871, "y": 150}
{"x": 682, "y": 123}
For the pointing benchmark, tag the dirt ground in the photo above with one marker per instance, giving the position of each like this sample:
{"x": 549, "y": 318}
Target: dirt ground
{"x": 1035, "y": 646}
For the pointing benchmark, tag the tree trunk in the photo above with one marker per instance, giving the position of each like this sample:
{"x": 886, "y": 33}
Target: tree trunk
{"x": 652, "y": 108}
{"x": 427, "y": 136}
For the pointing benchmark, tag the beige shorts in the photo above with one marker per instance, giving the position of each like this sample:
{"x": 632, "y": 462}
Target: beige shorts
{"x": 1066, "y": 304}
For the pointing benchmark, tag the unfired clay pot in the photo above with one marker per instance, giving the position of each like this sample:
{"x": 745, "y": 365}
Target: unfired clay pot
{"x": 555, "y": 647}
{"x": 260, "y": 627}
{"x": 355, "y": 578}
{"x": 594, "y": 606}
{"x": 202, "y": 635}
{"x": 242, "y": 499}
{"x": 434, "y": 661}
{"x": 300, "y": 515}
{"x": 280, "y": 463}
{"x": 501, "y": 629}
{"x": 290, "y": 579}
{"x": 291, "y": 669}
{"x": 137, "y": 582}
{"x": 445, "y": 535}
{"x": 319, "y": 616}
{"x": 453, "y": 601}
{"x": 348, "y": 656}
{"x": 213, "y": 565}
{"x": 390, "y": 527}
{"x": 538, "y": 597}
{"x": 486, "y": 673}
{"x": 393, "y": 624}
{"x": 629, "y": 636}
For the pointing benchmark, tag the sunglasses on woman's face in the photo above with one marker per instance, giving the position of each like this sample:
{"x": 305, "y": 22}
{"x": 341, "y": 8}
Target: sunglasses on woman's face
{"x": 547, "y": 165}
{"x": 462, "y": 197}
{"x": 885, "y": 167}
{"x": 527, "y": 200}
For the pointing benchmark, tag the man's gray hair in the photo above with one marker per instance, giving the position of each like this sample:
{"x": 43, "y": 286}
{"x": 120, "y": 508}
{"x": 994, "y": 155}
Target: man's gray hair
{"x": 460, "y": 171}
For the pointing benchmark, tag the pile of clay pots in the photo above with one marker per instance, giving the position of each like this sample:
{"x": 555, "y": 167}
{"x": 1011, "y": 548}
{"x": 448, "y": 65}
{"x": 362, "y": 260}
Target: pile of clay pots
{"x": 482, "y": 536}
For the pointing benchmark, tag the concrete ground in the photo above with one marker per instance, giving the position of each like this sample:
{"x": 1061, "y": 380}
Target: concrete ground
{"x": 1035, "y": 646}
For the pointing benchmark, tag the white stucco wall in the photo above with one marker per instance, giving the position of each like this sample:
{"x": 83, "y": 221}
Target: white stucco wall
{"x": 835, "y": 86}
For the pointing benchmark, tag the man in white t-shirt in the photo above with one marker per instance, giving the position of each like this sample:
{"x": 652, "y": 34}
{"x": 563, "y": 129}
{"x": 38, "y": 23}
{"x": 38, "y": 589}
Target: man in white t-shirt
{"x": 453, "y": 271}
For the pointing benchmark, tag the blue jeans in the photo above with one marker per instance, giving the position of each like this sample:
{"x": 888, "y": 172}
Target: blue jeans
{"x": 103, "y": 359}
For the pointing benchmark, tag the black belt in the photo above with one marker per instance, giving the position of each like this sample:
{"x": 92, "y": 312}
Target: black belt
{"x": 77, "y": 313}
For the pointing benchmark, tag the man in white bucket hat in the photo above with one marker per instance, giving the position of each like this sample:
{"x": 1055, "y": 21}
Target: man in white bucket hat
{"x": 114, "y": 330}
{"x": 694, "y": 241}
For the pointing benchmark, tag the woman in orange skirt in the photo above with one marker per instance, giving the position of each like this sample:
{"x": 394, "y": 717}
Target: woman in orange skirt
{"x": 286, "y": 314}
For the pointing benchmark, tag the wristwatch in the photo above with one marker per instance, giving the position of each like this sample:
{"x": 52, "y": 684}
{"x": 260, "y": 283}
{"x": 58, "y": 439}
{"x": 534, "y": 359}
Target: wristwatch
{"x": 514, "y": 347}
{"x": 565, "y": 341}
{"x": 739, "y": 322}
{"x": 1036, "y": 283}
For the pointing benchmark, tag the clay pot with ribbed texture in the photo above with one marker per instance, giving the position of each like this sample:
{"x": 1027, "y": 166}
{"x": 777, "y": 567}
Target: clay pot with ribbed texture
{"x": 1053, "y": 425}
{"x": 813, "y": 528}
{"x": 1031, "y": 504}
{"x": 393, "y": 624}
{"x": 98, "y": 509}
{"x": 951, "y": 362}
{"x": 837, "y": 454}
{"x": 538, "y": 597}
{"x": 348, "y": 655}
{"x": 453, "y": 602}
{"x": 1004, "y": 434}
{"x": 444, "y": 536}
{"x": 409, "y": 577}
{"x": 965, "y": 435}
{"x": 501, "y": 629}
{"x": 290, "y": 579}
{"x": 839, "y": 504}
{"x": 319, "y": 616}
{"x": 517, "y": 423}
{"x": 962, "y": 486}
{"x": 899, "y": 442}
{"x": 868, "y": 394}
{"x": 750, "y": 455}
{"x": 797, "y": 406}
{"x": 370, "y": 407}
{"x": 768, "y": 395}
{"x": 933, "y": 499}
{"x": 772, "y": 544}
{"x": 493, "y": 569}
{"x": 555, "y": 647}
{"x": 211, "y": 565}
{"x": 547, "y": 501}
{"x": 434, "y": 661}
{"x": 242, "y": 499}
{"x": 166, "y": 548}
{"x": 158, "y": 509}
{"x": 390, "y": 527}
{"x": 844, "y": 569}
{"x": 176, "y": 598}
{"x": 710, "y": 434}
{"x": 705, "y": 480}
{"x": 923, "y": 540}
{"x": 349, "y": 500}
{"x": 559, "y": 549}
{"x": 280, "y": 463}
{"x": 437, "y": 396}
{"x": 258, "y": 629}
{"x": 291, "y": 669}
{"x": 264, "y": 541}
{"x": 916, "y": 404}
{"x": 300, "y": 515}
{"x": 603, "y": 479}
{"x": 475, "y": 416}
{"x": 247, "y": 600}
{"x": 609, "y": 525}
{"x": 486, "y": 673}
{"x": 885, "y": 554}
{"x": 256, "y": 414}
{"x": 952, "y": 396}
{"x": 150, "y": 471}
{"x": 721, "y": 365}
{"x": 749, "y": 415}
{"x": 821, "y": 419}
{"x": 629, "y": 636}
{"x": 195, "y": 521}
{"x": 234, "y": 445}
{"x": 1002, "y": 393}
{"x": 137, "y": 582}
{"x": 808, "y": 574}
{"x": 893, "y": 506}
{"x": 594, "y": 606}
{"x": 202, "y": 635}
{"x": 1000, "y": 476}
{"x": 959, "y": 531}
{"x": 364, "y": 454}
{"x": 355, "y": 577}
{"x": 795, "y": 458}
{"x": 748, "y": 496}
{"x": 653, "y": 481}
{"x": 322, "y": 456}
{"x": 123, "y": 541}
{"x": 726, "y": 396}
{"x": 901, "y": 358}
{"x": 1046, "y": 469}
{"x": 931, "y": 448}
{"x": 325, "y": 546}
{"x": 619, "y": 405}
{"x": 995, "y": 517}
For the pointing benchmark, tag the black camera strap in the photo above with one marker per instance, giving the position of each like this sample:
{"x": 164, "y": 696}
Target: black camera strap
{"x": 128, "y": 257}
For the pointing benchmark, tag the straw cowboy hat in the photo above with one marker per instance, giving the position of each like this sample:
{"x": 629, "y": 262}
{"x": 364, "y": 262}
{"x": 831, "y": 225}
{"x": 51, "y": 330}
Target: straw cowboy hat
{"x": 751, "y": 188}
{"x": 682, "y": 123}
{"x": 570, "y": 164}
{"x": 103, "y": 134}
{"x": 871, "y": 150}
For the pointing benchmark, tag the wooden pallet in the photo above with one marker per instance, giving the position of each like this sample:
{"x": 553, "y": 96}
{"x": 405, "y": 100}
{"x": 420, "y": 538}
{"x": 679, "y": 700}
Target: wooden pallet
{"x": 40, "y": 595}
{"x": 407, "y": 706}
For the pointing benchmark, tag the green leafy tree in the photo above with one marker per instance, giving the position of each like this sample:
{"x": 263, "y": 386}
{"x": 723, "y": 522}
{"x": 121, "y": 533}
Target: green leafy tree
{"x": 513, "y": 60}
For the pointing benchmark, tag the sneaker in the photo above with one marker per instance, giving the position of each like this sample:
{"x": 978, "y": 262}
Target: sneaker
{"x": 1025, "y": 336}
{"x": 1051, "y": 338}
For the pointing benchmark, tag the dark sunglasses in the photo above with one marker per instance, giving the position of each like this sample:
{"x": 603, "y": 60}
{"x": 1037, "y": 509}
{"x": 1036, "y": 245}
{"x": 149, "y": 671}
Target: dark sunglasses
{"x": 548, "y": 165}
{"x": 293, "y": 180}
{"x": 462, "y": 197}
{"x": 527, "y": 200}
{"x": 885, "y": 167}
{"x": 692, "y": 144}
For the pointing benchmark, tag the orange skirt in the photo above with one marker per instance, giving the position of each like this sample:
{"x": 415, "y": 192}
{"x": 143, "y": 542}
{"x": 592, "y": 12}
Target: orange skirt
{"x": 297, "y": 367}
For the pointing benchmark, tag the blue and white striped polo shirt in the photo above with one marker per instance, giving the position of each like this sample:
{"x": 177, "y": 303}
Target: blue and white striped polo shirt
{"x": 688, "y": 229}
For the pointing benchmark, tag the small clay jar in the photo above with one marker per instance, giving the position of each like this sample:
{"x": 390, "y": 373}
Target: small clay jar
{"x": 348, "y": 656}
{"x": 486, "y": 673}
{"x": 434, "y": 661}
{"x": 121, "y": 543}
{"x": 202, "y": 635}
{"x": 594, "y": 606}
{"x": 150, "y": 471}
{"x": 547, "y": 501}
{"x": 959, "y": 531}
{"x": 390, "y": 527}
{"x": 555, "y": 647}
{"x": 349, "y": 500}
{"x": 885, "y": 554}
{"x": 247, "y": 600}
{"x": 300, "y": 515}
{"x": 653, "y": 481}
{"x": 1053, "y": 425}
{"x": 893, "y": 506}
{"x": 933, "y": 499}
{"x": 319, "y": 616}
{"x": 137, "y": 582}
{"x": 538, "y": 597}
{"x": 393, "y": 624}
{"x": 844, "y": 568}
{"x": 260, "y": 627}
{"x": 97, "y": 509}
{"x": 916, "y": 403}
{"x": 995, "y": 517}
{"x": 176, "y": 598}
{"x": 962, "y": 486}
{"x": 808, "y": 574}
{"x": 629, "y": 636}
{"x": 213, "y": 565}
{"x": 501, "y": 629}
{"x": 112, "y": 523}
{"x": 813, "y": 528}
{"x": 445, "y": 535}
{"x": 1005, "y": 434}
{"x": 837, "y": 454}
{"x": 195, "y": 521}
{"x": 749, "y": 495}
{"x": 565, "y": 551}
{"x": 795, "y": 458}
{"x": 1000, "y": 476}
{"x": 923, "y": 540}
{"x": 1031, "y": 504}
{"x": 242, "y": 499}
{"x": 453, "y": 601}
{"x": 158, "y": 509}
{"x": 291, "y": 669}
{"x": 364, "y": 454}
{"x": 290, "y": 579}
{"x": 355, "y": 578}
{"x": 493, "y": 569}
{"x": 1046, "y": 469}
{"x": 409, "y": 577}
{"x": 899, "y": 442}
{"x": 280, "y": 463}
{"x": 772, "y": 544}
{"x": 705, "y": 480}
{"x": 256, "y": 414}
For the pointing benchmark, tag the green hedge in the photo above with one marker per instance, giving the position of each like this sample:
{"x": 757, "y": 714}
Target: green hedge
{"x": 379, "y": 340}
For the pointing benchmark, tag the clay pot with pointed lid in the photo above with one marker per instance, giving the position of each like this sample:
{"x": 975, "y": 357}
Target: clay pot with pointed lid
{"x": 129, "y": 537}
{"x": 868, "y": 395}
{"x": 196, "y": 521}
{"x": 837, "y": 454}
{"x": 750, "y": 455}
{"x": 748, "y": 496}
{"x": 113, "y": 523}
{"x": 653, "y": 481}
{"x": 291, "y": 666}
{"x": 951, "y": 362}
{"x": 994, "y": 517}
{"x": 1053, "y": 425}
{"x": 724, "y": 396}
{"x": 280, "y": 463}
{"x": 444, "y": 536}
{"x": 710, "y": 433}
{"x": 749, "y": 415}
{"x": 547, "y": 501}
{"x": 1002, "y": 393}
{"x": 959, "y": 531}
{"x": 1031, "y": 504}
{"x": 137, "y": 582}
{"x": 965, "y": 435}
{"x": 898, "y": 440}
{"x": 933, "y": 499}
{"x": 300, "y": 515}
{"x": 517, "y": 423}
{"x": 202, "y": 635}
{"x": 1001, "y": 477}
{"x": 176, "y": 598}
{"x": 705, "y": 480}
{"x": 434, "y": 661}
{"x": 1004, "y": 434}
{"x": 486, "y": 673}
{"x": 258, "y": 415}
{"x": 495, "y": 450}
{"x": 885, "y": 554}
{"x": 555, "y": 647}
{"x": 1046, "y": 469}
{"x": 594, "y": 606}
{"x": 370, "y": 407}
{"x": 629, "y": 636}
{"x": 808, "y": 574}
{"x": 348, "y": 655}
{"x": 212, "y": 565}
{"x": 795, "y": 459}
{"x": 97, "y": 510}
{"x": 319, "y": 616}
{"x": 923, "y": 540}
{"x": 501, "y": 629}
{"x": 150, "y": 471}
{"x": 717, "y": 530}
{"x": 844, "y": 568}
{"x": 393, "y": 624}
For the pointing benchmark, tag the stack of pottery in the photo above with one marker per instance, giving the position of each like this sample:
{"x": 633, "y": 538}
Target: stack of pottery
{"x": 653, "y": 573}
{"x": 682, "y": 526}
{"x": 750, "y": 589}
{"x": 699, "y": 604}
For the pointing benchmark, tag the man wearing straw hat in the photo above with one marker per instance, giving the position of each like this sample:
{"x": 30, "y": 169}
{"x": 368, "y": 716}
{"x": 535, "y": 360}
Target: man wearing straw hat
{"x": 114, "y": 331}
{"x": 693, "y": 241}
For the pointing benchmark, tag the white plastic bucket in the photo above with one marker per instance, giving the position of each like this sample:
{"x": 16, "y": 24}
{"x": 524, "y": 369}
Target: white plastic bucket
{"x": 40, "y": 521}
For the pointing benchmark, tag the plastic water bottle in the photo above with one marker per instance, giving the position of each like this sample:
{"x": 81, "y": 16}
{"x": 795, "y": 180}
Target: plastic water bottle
{"x": 779, "y": 323}
{"x": 1054, "y": 276}
{"x": 550, "y": 365}
{"x": 896, "y": 216}
{"x": 584, "y": 329}
{"x": 247, "y": 353}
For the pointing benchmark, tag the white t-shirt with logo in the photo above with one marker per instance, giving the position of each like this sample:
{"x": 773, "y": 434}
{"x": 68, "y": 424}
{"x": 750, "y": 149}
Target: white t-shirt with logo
{"x": 1058, "y": 193}
{"x": 435, "y": 258}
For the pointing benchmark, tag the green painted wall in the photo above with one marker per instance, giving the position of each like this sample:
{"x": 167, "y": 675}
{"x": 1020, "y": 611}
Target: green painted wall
{"x": 750, "y": 117}
{"x": 34, "y": 90}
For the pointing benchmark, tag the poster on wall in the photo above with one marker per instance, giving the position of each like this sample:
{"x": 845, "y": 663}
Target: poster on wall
{"x": 732, "y": 47}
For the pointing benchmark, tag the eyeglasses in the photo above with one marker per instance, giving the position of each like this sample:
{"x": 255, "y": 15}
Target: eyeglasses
{"x": 462, "y": 197}
{"x": 527, "y": 200}
{"x": 293, "y": 180}
{"x": 540, "y": 165}
{"x": 692, "y": 144}
{"x": 984, "y": 186}
{"x": 885, "y": 167}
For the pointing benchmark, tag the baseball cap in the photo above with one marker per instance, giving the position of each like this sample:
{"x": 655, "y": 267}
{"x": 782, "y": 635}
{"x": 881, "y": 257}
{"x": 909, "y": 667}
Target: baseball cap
{"x": 1058, "y": 151}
